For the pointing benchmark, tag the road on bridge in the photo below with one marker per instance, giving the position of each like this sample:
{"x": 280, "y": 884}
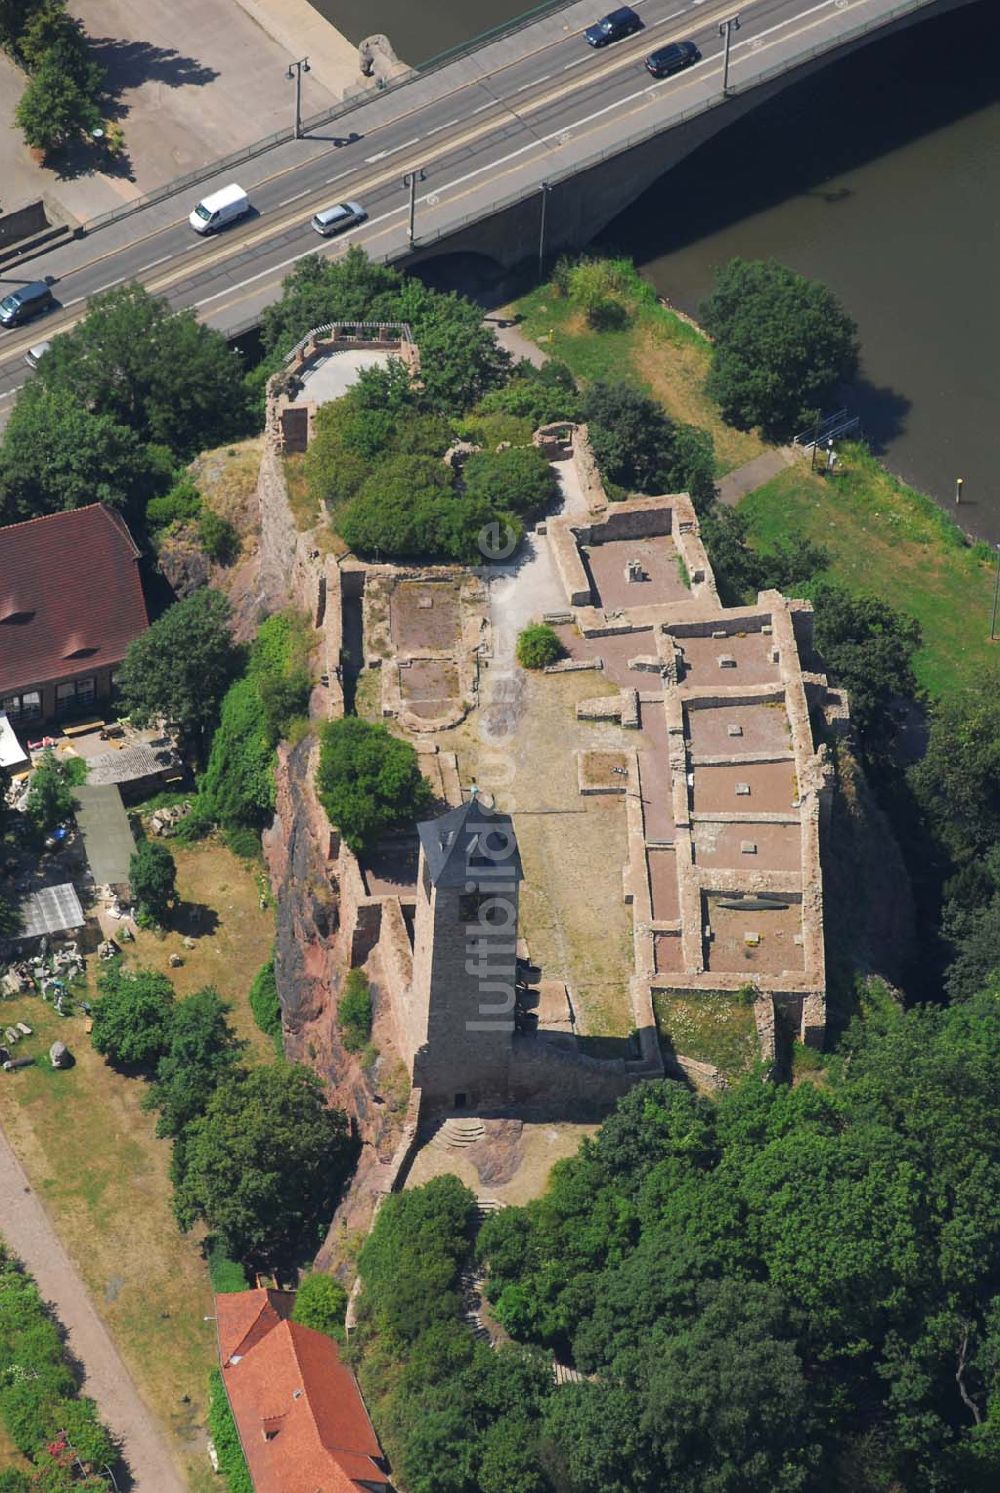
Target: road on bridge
{"x": 486, "y": 129}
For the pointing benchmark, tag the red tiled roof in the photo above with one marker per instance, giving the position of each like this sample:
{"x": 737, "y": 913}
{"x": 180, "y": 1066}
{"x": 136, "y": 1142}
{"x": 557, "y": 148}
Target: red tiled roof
{"x": 298, "y": 1409}
{"x": 70, "y": 596}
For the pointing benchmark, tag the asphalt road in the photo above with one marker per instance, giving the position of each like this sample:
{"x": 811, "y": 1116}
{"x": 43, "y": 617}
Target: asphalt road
{"x": 489, "y": 127}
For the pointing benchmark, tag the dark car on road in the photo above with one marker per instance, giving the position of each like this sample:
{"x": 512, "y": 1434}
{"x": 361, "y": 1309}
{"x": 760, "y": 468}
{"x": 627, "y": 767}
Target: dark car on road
{"x": 620, "y": 23}
{"x": 672, "y": 59}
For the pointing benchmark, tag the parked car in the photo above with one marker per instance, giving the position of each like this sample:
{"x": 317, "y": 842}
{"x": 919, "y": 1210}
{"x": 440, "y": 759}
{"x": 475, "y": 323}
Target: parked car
{"x": 35, "y": 354}
{"x": 25, "y": 303}
{"x": 672, "y": 59}
{"x": 333, "y": 220}
{"x": 222, "y": 207}
{"x": 618, "y": 24}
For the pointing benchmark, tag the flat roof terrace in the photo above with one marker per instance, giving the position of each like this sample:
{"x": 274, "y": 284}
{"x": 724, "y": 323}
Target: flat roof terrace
{"x": 777, "y": 847}
{"x": 657, "y": 559}
{"x": 734, "y": 730}
{"x": 746, "y": 787}
{"x": 739, "y": 658}
{"x": 754, "y": 939}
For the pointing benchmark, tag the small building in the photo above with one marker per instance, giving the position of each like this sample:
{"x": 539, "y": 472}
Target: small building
{"x": 51, "y": 911}
{"x": 71, "y": 602}
{"x": 301, "y": 1420}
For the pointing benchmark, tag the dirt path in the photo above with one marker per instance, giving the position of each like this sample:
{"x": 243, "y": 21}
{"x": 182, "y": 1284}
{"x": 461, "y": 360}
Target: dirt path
{"x": 28, "y": 1232}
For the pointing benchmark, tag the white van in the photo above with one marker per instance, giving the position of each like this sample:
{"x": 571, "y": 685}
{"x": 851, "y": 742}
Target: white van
{"x": 222, "y": 207}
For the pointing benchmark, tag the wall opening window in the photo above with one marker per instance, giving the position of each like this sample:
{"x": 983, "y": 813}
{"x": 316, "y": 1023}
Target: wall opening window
{"x": 23, "y": 707}
{"x": 74, "y": 696}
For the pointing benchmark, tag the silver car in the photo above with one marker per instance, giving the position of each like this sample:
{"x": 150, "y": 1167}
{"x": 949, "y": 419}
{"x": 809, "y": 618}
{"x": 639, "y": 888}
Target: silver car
{"x": 337, "y": 219}
{"x": 35, "y": 354}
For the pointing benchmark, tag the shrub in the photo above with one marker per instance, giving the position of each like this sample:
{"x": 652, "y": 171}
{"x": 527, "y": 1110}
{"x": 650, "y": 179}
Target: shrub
{"x": 320, "y": 1303}
{"x": 225, "y": 1437}
{"x": 50, "y": 797}
{"x": 181, "y": 503}
{"x": 519, "y": 480}
{"x": 225, "y": 1274}
{"x": 218, "y": 538}
{"x": 368, "y": 780}
{"x": 354, "y": 1011}
{"x": 242, "y": 841}
{"x": 152, "y": 874}
{"x": 265, "y": 1004}
{"x": 538, "y": 646}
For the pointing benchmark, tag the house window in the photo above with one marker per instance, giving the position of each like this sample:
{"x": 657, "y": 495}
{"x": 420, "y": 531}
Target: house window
{"x": 24, "y": 707}
{"x": 75, "y": 695}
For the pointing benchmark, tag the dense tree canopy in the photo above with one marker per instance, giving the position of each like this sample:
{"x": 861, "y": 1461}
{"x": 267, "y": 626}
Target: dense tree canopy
{"x": 162, "y": 374}
{"x": 132, "y": 1018}
{"x": 641, "y": 450}
{"x": 264, "y": 1163}
{"x": 201, "y": 1050}
{"x": 368, "y": 780}
{"x": 152, "y": 875}
{"x": 782, "y": 345}
{"x": 460, "y": 358}
{"x": 181, "y": 667}
{"x": 868, "y": 648}
{"x": 516, "y": 480}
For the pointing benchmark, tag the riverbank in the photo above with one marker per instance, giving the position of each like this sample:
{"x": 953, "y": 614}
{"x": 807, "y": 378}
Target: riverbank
{"x": 880, "y": 535}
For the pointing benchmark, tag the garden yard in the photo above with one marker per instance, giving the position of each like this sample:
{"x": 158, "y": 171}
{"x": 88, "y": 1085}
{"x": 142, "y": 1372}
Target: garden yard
{"x": 91, "y": 1154}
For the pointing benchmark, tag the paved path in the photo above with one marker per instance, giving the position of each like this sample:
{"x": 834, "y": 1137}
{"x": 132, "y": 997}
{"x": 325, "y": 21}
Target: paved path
{"x": 735, "y": 485}
{"x": 30, "y": 1235}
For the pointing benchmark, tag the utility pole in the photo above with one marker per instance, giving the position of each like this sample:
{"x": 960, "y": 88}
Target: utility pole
{"x": 726, "y": 29}
{"x": 541, "y": 233}
{"x": 295, "y": 70}
{"x": 410, "y": 180}
{"x": 996, "y": 593}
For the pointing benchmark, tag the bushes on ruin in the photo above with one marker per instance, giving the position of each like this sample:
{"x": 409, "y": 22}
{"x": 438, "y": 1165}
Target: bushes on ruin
{"x": 538, "y": 646}
{"x": 368, "y": 780}
{"x": 640, "y": 449}
{"x": 354, "y": 1011}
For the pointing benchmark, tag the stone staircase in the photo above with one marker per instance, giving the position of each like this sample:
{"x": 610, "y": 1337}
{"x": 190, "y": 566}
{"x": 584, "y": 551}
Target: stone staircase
{"x": 458, "y": 1132}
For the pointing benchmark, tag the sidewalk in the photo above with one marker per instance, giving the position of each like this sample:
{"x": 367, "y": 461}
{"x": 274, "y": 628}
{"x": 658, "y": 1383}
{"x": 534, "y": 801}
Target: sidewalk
{"x": 735, "y": 485}
{"x": 29, "y": 1234}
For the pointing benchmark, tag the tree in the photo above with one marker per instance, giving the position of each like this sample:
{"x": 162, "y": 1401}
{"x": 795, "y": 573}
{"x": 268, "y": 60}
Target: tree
{"x": 538, "y": 646}
{"x": 407, "y": 508}
{"x": 50, "y": 796}
{"x": 265, "y": 1003}
{"x": 368, "y": 780}
{"x": 782, "y": 346}
{"x": 57, "y": 454}
{"x": 320, "y": 1303}
{"x": 958, "y": 779}
{"x": 161, "y": 373}
{"x": 354, "y": 1011}
{"x": 639, "y": 448}
{"x": 201, "y": 1051}
{"x": 179, "y": 669}
{"x": 868, "y": 648}
{"x": 58, "y": 106}
{"x": 133, "y": 1017}
{"x": 152, "y": 874}
{"x": 517, "y": 480}
{"x": 263, "y": 1165}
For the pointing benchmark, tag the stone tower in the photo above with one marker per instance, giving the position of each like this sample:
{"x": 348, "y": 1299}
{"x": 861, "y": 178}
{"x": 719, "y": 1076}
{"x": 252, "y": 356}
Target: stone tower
{"x": 460, "y": 1016}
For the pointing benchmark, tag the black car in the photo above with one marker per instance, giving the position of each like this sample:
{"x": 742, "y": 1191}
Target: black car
{"x": 619, "y": 23}
{"x": 672, "y": 59}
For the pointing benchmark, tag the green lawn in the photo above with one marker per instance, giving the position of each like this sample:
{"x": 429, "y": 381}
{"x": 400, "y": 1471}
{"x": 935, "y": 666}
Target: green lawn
{"x": 717, "y": 1027}
{"x": 658, "y": 351}
{"x": 883, "y": 537}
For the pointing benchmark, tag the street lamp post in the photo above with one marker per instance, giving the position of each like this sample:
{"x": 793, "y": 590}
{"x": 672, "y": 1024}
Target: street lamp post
{"x": 541, "y": 232}
{"x": 726, "y": 29}
{"x": 295, "y": 70}
{"x": 410, "y": 180}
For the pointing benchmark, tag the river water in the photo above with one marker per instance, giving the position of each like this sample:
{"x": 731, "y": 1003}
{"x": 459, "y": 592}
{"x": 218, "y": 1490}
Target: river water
{"x": 879, "y": 176}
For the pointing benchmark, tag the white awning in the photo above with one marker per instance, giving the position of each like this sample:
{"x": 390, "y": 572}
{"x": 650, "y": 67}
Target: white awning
{"x": 12, "y": 755}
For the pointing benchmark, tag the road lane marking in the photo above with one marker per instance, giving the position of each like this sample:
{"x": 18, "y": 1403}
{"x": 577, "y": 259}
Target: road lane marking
{"x": 153, "y": 263}
{"x": 304, "y": 193}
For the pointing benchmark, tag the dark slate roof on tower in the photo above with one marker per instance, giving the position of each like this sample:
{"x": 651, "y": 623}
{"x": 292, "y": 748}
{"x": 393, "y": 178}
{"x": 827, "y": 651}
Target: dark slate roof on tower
{"x": 468, "y": 844}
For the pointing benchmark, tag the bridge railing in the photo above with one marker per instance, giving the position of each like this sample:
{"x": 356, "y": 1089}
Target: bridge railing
{"x": 740, "y": 84}
{"x": 346, "y": 107}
